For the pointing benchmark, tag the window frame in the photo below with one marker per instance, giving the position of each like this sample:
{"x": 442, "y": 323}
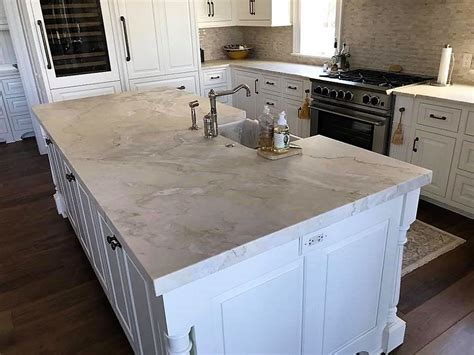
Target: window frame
{"x": 297, "y": 29}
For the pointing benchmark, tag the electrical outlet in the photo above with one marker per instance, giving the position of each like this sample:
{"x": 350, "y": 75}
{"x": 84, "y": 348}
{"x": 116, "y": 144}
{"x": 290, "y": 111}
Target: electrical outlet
{"x": 467, "y": 60}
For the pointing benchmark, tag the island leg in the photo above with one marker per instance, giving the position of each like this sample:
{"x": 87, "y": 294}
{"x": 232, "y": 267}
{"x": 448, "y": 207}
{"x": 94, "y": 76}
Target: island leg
{"x": 394, "y": 332}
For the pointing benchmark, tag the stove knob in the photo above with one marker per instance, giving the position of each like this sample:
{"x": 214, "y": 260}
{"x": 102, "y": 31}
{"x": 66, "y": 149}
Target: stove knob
{"x": 333, "y": 94}
{"x": 375, "y": 100}
{"x": 340, "y": 94}
{"x": 325, "y": 91}
{"x": 348, "y": 96}
{"x": 318, "y": 90}
{"x": 366, "y": 99}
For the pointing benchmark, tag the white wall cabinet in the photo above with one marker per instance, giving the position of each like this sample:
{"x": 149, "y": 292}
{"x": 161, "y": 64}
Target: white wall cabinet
{"x": 214, "y": 13}
{"x": 3, "y": 18}
{"x": 265, "y": 13}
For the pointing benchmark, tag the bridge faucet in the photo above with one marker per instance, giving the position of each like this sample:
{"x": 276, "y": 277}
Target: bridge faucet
{"x": 210, "y": 120}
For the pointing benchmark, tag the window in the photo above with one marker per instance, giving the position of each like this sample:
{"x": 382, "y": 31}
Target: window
{"x": 316, "y": 25}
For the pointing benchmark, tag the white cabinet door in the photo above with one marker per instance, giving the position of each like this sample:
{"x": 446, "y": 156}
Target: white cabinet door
{"x": 214, "y": 12}
{"x": 141, "y": 36}
{"x": 240, "y": 100}
{"x": 75, "y": 43}
{"x": 119, "y": 279}
{"x": 434, "y": 152}
{"x": 340, "y": 304}
{"x": 254, "y": 10}
{"x": 292, "y": 108}
{"x": 178, "y": 28}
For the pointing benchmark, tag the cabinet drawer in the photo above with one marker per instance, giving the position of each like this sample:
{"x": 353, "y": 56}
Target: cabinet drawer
{"x": 272, "y": 101}
{"x": 21, "y": 123}
{"x": 470, "y": 123}
{"x": 463, "y": 192}
{"x": 17, "y": 105}
{"x": 466, "y": 161}
{"x": 12, "y": 86}
{"x": 215, "y": 77}
{"x": 293, "y": 87}
{"x": 442, "y": 117}
{"x": 271, "y": 83}
{"x": 187, "y": 83}
{"x": 80, "y": 92}
{"x": 222, "y": 99}
{"x": 4, "y": 126}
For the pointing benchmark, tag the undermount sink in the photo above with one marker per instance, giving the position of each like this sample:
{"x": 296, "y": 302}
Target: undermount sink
{"x": 245, "y": 132}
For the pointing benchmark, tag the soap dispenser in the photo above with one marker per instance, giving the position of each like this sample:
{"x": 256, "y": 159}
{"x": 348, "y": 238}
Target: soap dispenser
{"x": 265, "y": 121}
{"x": 281, "y": 135}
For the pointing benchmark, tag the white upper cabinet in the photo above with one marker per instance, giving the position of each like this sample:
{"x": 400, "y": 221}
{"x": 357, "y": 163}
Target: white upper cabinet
{"x": 74, "y": 41}
{"x": 265, "y": 13}
{"x": 141, "y": 38}
{"x": 158, "y": 37}
{"x": 214, "y": 13}
{"x": 179, "y": 36}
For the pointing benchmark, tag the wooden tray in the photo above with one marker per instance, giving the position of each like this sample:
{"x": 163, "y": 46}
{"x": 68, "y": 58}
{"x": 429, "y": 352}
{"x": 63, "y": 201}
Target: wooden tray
{"x": 275, "y": 156}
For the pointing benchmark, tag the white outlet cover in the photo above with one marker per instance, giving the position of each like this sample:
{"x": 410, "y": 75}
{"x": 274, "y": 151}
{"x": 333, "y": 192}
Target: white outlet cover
{"x": 467, "y": 60}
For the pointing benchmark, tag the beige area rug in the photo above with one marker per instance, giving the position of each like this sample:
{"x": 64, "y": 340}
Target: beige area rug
{"x": 426, "y": 243}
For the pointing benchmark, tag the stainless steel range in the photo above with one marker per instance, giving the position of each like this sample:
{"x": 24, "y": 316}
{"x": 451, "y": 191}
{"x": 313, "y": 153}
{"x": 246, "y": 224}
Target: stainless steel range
{"x": 354, "y": 106}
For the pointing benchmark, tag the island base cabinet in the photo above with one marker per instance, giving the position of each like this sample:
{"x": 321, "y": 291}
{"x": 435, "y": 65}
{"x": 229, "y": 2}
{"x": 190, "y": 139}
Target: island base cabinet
{"x": 333, "y": 291}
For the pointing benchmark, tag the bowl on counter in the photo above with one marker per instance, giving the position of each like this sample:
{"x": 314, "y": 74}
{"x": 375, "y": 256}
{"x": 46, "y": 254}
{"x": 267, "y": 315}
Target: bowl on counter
{"x": 237, "y": 51}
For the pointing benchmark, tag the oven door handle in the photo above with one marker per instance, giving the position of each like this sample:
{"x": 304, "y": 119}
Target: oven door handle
{"x": 352, "y": 117}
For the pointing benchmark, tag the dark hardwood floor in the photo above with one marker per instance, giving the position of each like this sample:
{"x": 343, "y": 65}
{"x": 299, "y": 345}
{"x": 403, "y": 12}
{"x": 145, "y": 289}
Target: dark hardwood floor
{"x": 52, "y": 303}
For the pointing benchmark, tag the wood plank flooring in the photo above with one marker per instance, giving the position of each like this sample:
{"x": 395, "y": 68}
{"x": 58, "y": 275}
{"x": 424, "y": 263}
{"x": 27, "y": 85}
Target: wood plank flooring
{"x": 54, "y": 304}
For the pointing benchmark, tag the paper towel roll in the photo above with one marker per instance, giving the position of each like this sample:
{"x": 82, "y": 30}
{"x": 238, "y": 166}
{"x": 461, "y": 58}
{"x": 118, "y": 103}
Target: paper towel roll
{"x": 444, "y": 65}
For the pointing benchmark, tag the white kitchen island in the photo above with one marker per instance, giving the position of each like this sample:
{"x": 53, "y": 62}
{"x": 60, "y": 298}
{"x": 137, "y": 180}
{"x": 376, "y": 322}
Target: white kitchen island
{"x": 203, "y": 248}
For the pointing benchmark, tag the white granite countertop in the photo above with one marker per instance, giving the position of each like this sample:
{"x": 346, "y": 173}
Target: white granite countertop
{"x": 302, "y": 70}
{"x": 457, "y": 93}
{"x": 186, "y": 206}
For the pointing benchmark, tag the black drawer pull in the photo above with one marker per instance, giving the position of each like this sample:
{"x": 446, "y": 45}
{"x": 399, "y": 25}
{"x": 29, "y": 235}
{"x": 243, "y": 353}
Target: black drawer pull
{"x": 215, "y": 77}
{"x": 292, "y": 87}
{"x": 70, "y": 177}
{"x": 48, "y": 141}
{"x": 415, "y": 149}
{"x": 442, "y": 118}
{"x": 182, "y": 87}
{"x": 270, "y": 103}
{"x": 114, "y": 243}
{"x": 269, "y": 83}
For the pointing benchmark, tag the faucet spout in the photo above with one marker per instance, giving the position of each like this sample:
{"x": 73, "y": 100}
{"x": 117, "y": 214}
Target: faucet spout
{"x": 213, "y": 130}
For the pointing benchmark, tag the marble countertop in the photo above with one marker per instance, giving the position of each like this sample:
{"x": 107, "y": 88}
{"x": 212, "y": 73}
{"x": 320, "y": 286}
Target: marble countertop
{"x": 302, "y": 70}
{"x": 456, "y": 93}
{"x": 186, "y": 206}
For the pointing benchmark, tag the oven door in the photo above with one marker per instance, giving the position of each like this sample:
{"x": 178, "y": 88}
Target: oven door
{"x": 362, "y": 129}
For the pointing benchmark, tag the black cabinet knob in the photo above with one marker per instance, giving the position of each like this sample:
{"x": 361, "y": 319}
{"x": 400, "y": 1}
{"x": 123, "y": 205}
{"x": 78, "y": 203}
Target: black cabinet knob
{"x": 113, "y": 241}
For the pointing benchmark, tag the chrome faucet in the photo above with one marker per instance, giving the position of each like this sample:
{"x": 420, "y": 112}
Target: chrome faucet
{"x": 210, "y": 120}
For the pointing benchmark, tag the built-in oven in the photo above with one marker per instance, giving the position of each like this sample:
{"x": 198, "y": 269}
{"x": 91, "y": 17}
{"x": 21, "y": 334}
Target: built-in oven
{"x": 362, "y": 129}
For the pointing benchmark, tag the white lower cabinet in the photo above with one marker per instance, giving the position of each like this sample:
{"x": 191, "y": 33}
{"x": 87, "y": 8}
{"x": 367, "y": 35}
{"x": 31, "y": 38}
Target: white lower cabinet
{"x": 123, "y": 282}
{"x": 434, "y": 152}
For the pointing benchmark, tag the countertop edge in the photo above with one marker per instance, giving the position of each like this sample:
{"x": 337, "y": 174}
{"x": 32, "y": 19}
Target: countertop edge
{"x": 263, "y": 244}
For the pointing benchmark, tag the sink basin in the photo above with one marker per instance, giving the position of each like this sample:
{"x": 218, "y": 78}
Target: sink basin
{"x": 245, "y": 132}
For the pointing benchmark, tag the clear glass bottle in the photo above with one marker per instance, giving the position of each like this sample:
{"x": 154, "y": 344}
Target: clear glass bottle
{"x": 281, "y": 135}
{"x": 265, "y": 121}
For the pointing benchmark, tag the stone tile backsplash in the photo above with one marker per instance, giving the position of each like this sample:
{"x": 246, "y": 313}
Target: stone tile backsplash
{"x": 379, "y": 32}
